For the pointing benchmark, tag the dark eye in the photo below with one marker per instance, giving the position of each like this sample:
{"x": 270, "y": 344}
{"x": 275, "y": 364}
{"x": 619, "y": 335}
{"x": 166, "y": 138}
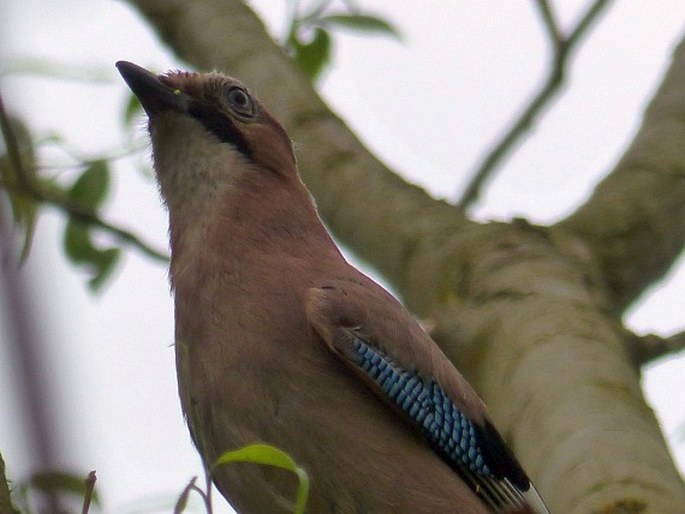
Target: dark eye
{"x": 240, "y": 101}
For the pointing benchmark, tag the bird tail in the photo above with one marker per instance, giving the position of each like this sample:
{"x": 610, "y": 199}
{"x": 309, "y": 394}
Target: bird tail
{"x": 533, "y": 504}
{"x": 535, "y": 501}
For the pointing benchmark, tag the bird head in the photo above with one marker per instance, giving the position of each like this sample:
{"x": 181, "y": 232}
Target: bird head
{"x": 208, "y": 133}
{"x": 225, "y": 168}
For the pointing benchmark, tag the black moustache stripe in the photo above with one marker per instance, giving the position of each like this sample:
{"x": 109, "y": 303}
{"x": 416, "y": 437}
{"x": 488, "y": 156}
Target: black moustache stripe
{"x": 220, "y": 125}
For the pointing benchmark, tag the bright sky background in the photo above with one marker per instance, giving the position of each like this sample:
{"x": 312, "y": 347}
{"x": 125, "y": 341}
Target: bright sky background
{"x": 428, "y": 106}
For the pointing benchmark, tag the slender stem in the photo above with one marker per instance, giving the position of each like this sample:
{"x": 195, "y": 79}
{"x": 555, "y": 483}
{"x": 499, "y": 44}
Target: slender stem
{"x": 586, "y": 20}
{"x": 549, "y": 20}
{"x": 88, "y": 496}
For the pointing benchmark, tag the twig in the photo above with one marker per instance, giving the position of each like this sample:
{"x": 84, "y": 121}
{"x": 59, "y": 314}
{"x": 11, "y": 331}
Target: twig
{"x": 86, "y": 216}
{"x": 82, "y": 161}
{"x": 206, "y": 497}
{"x": 549, "y": 20}
{"x": 562, "y": 46}
{"x": 29, "y": 187}
{"x": 644, "y": 349}
{"x": 192, "y": 486}
{"x": 88, "y": 494}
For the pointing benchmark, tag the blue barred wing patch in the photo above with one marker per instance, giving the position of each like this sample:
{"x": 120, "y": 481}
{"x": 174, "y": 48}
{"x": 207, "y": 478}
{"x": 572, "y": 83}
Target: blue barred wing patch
{"x": 448, "y": 430}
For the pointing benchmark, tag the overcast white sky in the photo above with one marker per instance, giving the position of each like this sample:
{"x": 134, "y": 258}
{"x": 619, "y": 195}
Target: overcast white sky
{"x": 428, "y": 106}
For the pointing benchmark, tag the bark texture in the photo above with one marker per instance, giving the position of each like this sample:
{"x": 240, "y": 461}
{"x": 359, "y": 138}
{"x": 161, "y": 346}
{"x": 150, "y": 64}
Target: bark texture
{"x": 532, "y": 315}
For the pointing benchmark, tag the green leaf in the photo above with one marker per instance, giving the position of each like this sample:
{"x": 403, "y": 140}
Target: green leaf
{"x": 89, "y": 191}
{"x": 361, "y": 22}
{"x": 270, "y": 456}
{"x": 80, "y": 250}
{"x": 77, "y": 243}
{"x": 312, "y": 56}
{"x": 104, "y": 265}
{"x": 91, "y": 188}
{"x": 59, "y": 481}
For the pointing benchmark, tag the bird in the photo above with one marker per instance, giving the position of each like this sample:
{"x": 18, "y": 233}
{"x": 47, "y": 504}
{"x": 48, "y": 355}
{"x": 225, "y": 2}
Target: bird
{"x": 279, "y": 340}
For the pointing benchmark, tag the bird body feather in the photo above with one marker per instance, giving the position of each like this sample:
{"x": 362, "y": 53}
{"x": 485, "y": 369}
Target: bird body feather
{"x": 280, "y": 340}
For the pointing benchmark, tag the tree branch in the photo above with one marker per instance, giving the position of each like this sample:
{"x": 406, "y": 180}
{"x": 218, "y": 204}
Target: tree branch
{"x": 645, "y": 349}
{"x": 562, "y": 47}
{"x": 633, "y": 225}
{"x": 28, "y": 186}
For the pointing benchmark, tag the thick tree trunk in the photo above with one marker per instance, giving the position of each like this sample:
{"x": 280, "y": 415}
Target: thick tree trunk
{"x": 530, "y": 314}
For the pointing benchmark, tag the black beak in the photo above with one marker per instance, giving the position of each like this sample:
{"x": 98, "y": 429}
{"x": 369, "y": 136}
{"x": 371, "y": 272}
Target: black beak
{"x": 154, "y": 95}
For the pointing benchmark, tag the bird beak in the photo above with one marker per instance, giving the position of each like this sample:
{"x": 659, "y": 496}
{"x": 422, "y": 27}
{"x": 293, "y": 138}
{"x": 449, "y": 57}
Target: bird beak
{"x": 153, "y": 93}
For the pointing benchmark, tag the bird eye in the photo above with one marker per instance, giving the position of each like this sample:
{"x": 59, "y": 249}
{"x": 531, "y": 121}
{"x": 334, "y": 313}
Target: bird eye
{"x": 240, "y": 101}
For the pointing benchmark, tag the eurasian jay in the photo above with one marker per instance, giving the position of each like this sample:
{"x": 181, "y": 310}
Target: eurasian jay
{"x": 280, "y": 340}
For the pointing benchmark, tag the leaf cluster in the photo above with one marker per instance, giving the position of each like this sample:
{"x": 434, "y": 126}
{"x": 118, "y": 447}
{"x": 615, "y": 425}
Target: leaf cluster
{"x": 309, "y": 33}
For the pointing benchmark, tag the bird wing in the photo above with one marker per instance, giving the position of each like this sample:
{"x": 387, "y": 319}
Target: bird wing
{"x": 382, "y": 343}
